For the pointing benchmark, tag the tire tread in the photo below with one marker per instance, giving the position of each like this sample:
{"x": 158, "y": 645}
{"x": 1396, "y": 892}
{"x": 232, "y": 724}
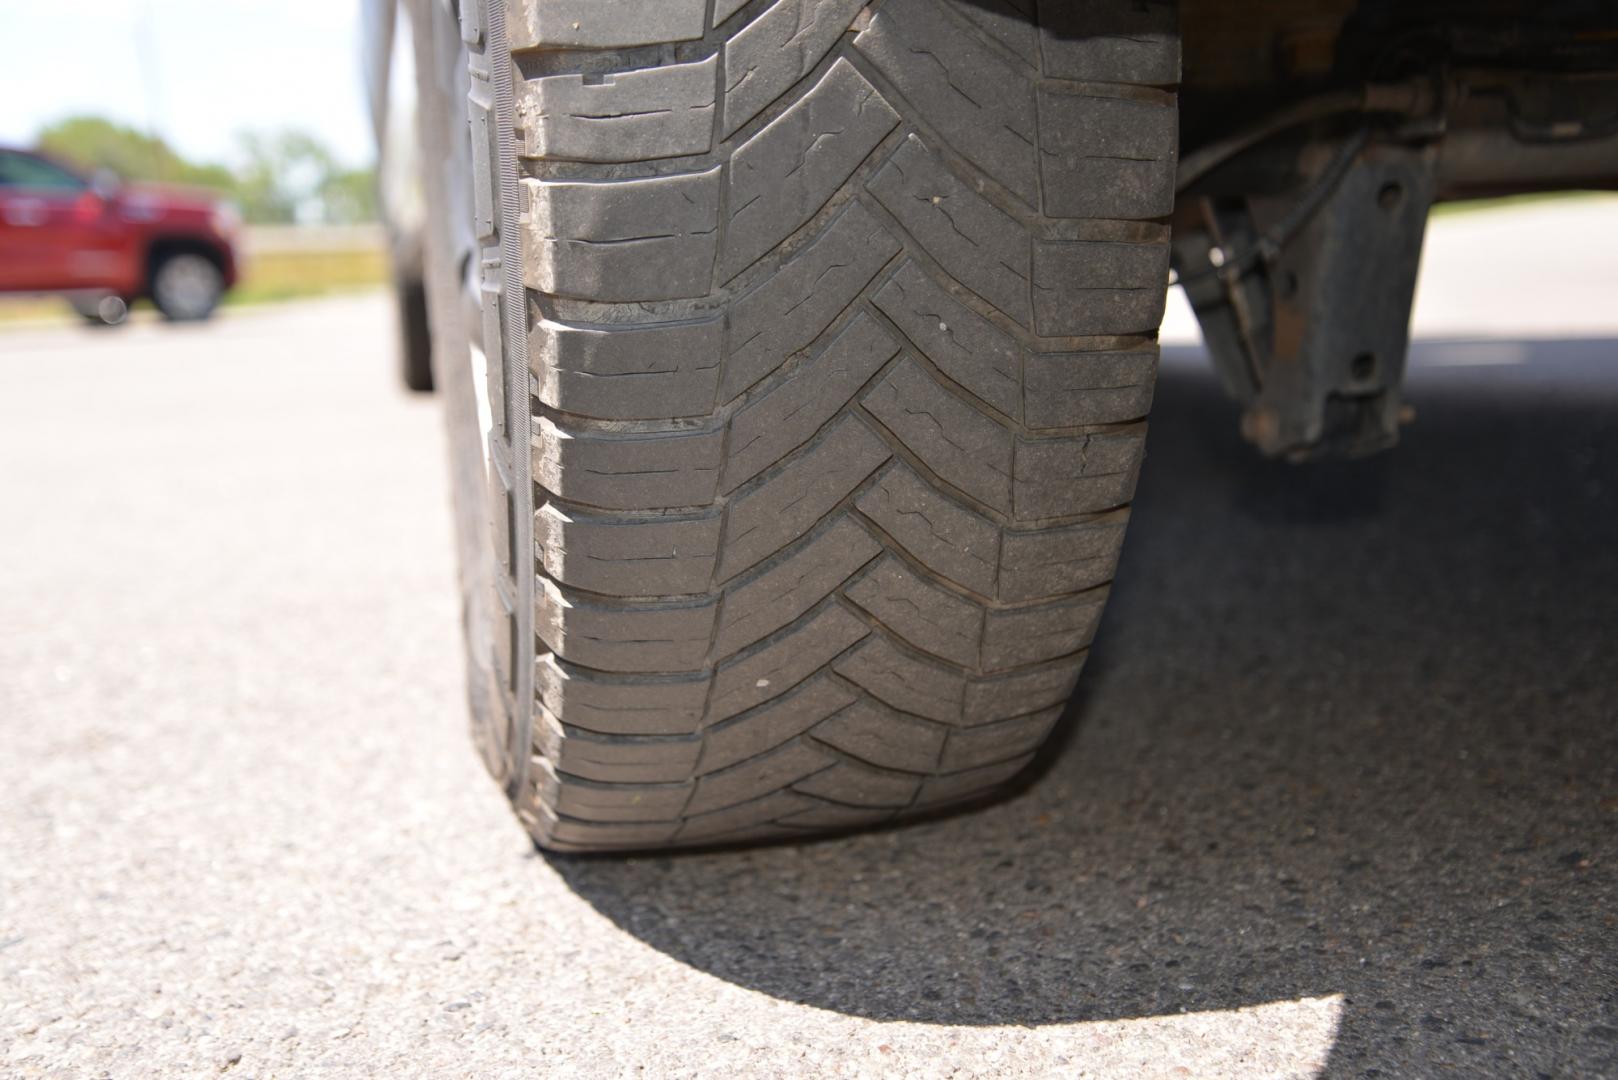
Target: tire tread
{"x": 841, "y": 352}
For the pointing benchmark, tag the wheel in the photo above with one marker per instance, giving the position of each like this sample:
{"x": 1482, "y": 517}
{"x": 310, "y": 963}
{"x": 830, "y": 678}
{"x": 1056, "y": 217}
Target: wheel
{"x": 100, "y": 310}
{"x": 839, "y": 320}
{"x": 415, "y": 338}
{"x": 186, "y": 286}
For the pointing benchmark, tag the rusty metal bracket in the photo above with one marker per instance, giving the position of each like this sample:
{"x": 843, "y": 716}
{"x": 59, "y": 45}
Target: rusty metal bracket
{"x": 1305, "y": 301}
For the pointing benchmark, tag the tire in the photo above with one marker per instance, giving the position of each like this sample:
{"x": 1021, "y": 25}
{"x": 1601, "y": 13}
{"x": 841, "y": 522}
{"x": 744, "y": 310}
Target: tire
{"x": 415, "y": 338}
{"x": 186, "y": 286}
{"x": 840, "y": 321}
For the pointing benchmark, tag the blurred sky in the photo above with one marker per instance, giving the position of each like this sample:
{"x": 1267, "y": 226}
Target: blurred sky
{"x": 195, "y": 71}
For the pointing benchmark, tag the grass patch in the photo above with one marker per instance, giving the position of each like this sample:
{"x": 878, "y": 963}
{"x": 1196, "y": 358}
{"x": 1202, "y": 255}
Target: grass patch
{"x": 292, "y": 275}
{"x": 15, "y": 309}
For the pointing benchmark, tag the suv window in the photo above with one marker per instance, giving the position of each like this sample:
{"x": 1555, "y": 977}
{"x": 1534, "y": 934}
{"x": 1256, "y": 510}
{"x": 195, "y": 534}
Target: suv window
{"x": 28, "y": 171}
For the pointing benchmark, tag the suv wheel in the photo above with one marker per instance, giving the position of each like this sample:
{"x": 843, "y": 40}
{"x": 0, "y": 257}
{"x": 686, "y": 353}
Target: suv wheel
{"x": 187, "y": 287}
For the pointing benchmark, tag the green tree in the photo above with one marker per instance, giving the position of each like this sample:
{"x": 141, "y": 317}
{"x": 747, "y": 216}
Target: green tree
{"x": 291, "y": 176}
{"x": 92, "y": 142}
{"x": 349, "y": 196}
{"x": 284, "y": 176}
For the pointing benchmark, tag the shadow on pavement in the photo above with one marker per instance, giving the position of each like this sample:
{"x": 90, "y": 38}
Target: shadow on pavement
{"x": 1350, "y": 729}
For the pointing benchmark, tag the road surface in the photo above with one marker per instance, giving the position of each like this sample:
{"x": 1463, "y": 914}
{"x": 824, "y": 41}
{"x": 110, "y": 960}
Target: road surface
{"x": 1339, "y": 794}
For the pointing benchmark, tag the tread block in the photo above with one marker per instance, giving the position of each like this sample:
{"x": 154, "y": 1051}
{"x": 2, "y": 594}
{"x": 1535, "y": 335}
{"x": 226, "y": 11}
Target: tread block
{"x": 1050, "y": 562}
{"x": 1029, "y": 635}
{"x": 961, "y": 343}
{"x": 754, "y": 819}
{"x": 637, "y": 759}
{"x": 620, "y": 704}
{"x": 1085, "y": 287}
{"x": 976, "y": 243}
{"x": 494, "y": 344}
{"x": 783, "y": 662}
{"x": 1120, "y": 41}
{"x": 642, "y": 637}
{"x": 882, "y": 737}
{"x": 480, "y": 115}
{"x": 930, "y": 618}
{"x": 787, "y": 589}
{"x": 758, "y": 776}
{"x": 724, "y": 9}
{"x": 988, "y": 744}
{"x": 623, "y": 240}
{"x": 589, "y": 800}
{"x": 1080, "y": 475}
{"x": 1072, "y": 389}
{"x": 653, "y": 556}
{"x": 627, "y": 472}
{"x": 781, "y": 177}
{"x": 501, "y": 630}
{"x": 856, "y": 785}
{"x": 786, "y": 505}
{"x": 627, "y": 372}
{"x": 601, "y": 24}
{"x": 499, "y": 487}
{"x": 1001, "y": 697}
{"x": 970, "y": 783}
{"x": 979, "y": 102}
{"x": 765, "y": 430}
{"x": 961, "y": 445}
{"x": 774, "y": 723}
{"x": 776, "y": 49}
{"x": 623, "y": 116}
{"x": 564, "y": 832}
{"x": 1105, "y": 157}
{"x": 944, "y": 536}
{"x": 904, "y": 681}
{"x": 1010, "y": 22}
{"x": 793, "y": 307}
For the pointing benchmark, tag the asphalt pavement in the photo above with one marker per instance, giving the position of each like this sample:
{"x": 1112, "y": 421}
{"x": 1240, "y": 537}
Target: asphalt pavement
{"x": 1338, "y": 795}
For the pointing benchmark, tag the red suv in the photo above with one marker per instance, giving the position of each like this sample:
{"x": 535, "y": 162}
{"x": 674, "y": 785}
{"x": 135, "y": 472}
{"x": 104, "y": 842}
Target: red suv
{"x": 103, "y": 244}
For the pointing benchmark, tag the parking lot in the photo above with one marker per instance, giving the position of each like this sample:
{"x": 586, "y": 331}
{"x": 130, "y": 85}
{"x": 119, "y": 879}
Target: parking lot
{"x": 1338, "y": 794}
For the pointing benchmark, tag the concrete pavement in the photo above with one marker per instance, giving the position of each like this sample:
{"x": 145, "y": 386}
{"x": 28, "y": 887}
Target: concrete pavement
{"x": 1339, "y": 794}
